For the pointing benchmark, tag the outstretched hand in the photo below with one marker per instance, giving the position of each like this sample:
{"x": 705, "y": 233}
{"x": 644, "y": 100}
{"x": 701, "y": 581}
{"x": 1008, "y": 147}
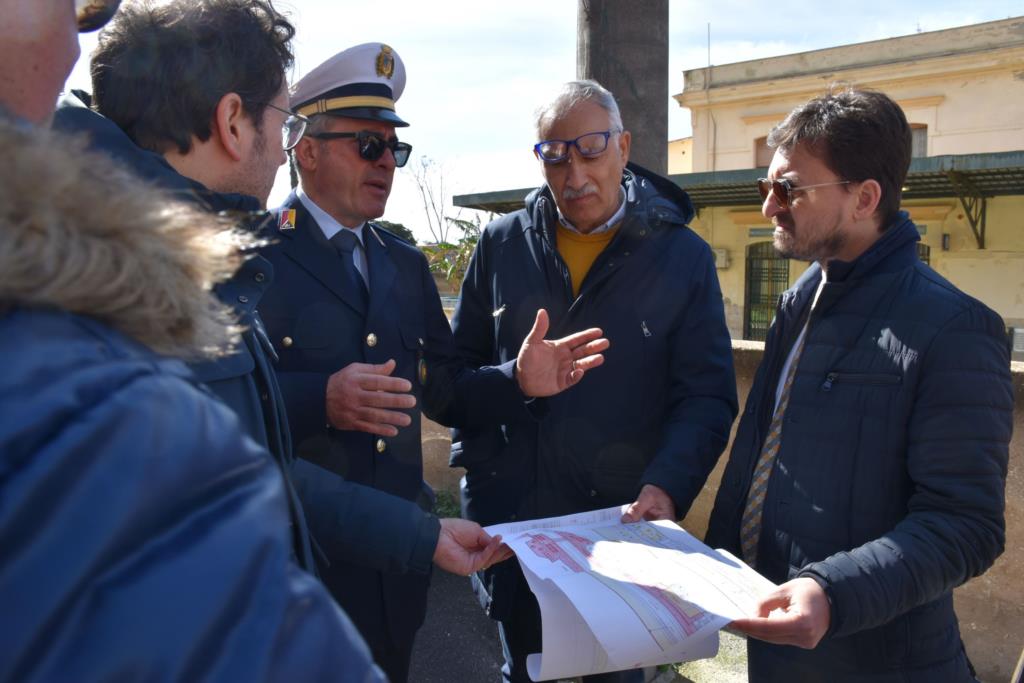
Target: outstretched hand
{"x": 796, "y": 613}
{"x": 545, "y": 368}
{"x": 463, "y": 547}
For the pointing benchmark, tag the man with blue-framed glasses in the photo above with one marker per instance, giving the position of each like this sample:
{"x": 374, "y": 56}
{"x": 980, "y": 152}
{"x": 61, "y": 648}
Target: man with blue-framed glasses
{"x": 603, "y": 243}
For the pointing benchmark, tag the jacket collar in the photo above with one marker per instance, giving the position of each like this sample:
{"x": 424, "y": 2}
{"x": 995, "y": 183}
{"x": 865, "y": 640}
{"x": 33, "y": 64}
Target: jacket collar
{"x": 893, "y": 251}
{"x": 304, "y": 242}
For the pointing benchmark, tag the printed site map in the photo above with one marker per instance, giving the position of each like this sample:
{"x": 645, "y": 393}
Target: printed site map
{"x": 617, "y": 596}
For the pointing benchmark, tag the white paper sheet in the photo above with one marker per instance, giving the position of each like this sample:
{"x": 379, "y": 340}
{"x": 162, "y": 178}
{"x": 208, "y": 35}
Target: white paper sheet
{"x": 618, "y": 596}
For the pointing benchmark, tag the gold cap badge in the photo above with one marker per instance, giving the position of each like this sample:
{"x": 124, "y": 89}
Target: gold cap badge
{"x": 385, "y": 62}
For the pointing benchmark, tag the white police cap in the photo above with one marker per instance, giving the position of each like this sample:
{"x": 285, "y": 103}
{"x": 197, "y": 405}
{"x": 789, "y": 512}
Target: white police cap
{"x": 362, "y": 82}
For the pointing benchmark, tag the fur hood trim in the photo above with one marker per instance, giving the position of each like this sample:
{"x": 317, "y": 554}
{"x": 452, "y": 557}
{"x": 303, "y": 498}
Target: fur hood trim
{"x": 80, "y": 234}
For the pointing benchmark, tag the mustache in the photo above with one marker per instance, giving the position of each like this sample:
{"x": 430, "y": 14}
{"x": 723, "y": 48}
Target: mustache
{"x": 569, "y": 193}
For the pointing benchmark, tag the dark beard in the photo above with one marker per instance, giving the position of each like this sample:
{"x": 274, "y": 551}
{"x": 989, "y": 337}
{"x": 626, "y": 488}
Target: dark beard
{"x": 823, "y": 248}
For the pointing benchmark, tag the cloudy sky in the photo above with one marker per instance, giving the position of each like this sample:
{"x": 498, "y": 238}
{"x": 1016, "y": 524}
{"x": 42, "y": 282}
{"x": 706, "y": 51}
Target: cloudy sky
{"x": 478, "y": 69}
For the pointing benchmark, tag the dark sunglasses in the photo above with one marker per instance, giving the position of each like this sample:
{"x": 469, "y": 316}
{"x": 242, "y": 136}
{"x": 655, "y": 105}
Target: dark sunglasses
{"x": 783, "y": 189}
{"x": 372, "y": 145}
{"x": 93, "y": 14}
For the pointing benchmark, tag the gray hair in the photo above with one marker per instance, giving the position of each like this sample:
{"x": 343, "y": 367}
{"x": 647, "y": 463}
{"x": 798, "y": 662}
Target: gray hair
{"x": 572, "y": 94}
{"x": 317, "y": 124}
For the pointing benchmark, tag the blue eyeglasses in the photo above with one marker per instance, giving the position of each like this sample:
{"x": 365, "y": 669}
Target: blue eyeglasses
{"x": 589, "y": 145}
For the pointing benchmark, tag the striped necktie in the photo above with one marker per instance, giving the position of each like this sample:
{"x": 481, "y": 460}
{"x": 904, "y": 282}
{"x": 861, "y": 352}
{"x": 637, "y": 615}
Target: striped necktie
{"x": 750, "y": 528}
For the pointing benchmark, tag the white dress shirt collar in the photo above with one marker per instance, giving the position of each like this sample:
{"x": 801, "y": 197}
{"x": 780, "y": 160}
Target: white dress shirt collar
{"x": 327, "y": 223}
{"x": 608, "y": 225}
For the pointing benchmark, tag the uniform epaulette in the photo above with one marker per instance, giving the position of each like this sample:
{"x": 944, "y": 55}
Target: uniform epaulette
{"x": 379, "y": 231}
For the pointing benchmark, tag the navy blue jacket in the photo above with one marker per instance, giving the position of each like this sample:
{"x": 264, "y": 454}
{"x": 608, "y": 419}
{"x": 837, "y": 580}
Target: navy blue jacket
{"x": 657, "y": 412}
{"x": 888, "y": 488}
{"x": 244, "y": 380}
{"x": 319, "y": 328}
{"x": 143, "y": 534}
{"x": 357, "y": 518}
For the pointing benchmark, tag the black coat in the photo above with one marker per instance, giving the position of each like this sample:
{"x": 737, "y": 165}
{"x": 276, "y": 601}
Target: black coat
{"x": 888, "y": 488}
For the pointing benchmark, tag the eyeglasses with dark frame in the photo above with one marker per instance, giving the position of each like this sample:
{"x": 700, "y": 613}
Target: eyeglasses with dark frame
{"x": 783, "y": 189}
{"x": 293, "y": 128}
{"x": 91, "y": 15}
{"x": 372, "y": 145}
{"x": 589, "y": 145}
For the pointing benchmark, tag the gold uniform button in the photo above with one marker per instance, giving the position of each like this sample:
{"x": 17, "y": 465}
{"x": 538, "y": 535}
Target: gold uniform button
{"x": 286, "y": 342}
{"x": 371, "y": 340}
{"x": 381, "y": 446}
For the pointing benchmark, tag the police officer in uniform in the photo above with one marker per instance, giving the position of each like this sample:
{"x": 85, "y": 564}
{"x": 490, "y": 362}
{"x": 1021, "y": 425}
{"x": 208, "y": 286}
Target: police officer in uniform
{"x": 363, "y": 341}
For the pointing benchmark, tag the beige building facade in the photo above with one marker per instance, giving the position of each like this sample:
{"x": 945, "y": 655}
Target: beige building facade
{"x": 962, "y": 90}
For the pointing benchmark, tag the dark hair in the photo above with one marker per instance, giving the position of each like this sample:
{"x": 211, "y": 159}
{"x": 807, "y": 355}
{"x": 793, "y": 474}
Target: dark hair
{"x": 859, "y": 135}
{"x": 161, "y": 68}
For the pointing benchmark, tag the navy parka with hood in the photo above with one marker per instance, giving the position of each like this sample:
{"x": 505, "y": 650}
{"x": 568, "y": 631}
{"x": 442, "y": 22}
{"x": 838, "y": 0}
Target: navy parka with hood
{"x": 658, "y": 411}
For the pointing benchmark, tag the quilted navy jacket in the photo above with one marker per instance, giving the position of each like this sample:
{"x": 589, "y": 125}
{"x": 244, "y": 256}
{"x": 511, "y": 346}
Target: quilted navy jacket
{"x": 888, "y": 488}
{"x": 143, "y": 535}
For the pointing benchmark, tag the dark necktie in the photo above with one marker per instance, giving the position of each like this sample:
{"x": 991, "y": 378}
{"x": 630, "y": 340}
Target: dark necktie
{"x": 346, "y": 242}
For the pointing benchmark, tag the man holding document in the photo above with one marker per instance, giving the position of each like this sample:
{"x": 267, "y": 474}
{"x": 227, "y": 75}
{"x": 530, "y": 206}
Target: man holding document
{"x": 868, "y": 472}
{"x": 599, "y": 245}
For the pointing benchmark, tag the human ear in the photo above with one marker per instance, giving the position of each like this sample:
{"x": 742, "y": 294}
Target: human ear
{"x": 306, "y": 154}
{"x": 624, "y": 139}
{"x": 869, "y": 195}
{"x": 230, "y": 121}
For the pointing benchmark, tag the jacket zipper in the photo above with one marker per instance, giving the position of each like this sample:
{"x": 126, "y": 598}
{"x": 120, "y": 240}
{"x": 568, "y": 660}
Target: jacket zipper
{"x": 871, "y": 380}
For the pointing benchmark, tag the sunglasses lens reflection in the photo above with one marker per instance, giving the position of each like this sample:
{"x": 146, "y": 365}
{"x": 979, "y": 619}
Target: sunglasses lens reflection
{"x": 775, "y": 187}
{"x": 401, "y": 151}
{"x": 372, "y": 147}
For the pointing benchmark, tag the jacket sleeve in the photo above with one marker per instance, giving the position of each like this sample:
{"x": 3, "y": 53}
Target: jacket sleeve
{"x": 957, "y": 455}
{"x": 305, "y": 395}
{"x": 142, "y": 517}
{"x": 463, "y": 388}
{"x": 702, "y": 397}
{"x": 359, "y": 524}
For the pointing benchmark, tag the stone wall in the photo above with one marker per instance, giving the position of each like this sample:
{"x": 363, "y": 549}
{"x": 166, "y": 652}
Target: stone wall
{"x": 990, "y": 608}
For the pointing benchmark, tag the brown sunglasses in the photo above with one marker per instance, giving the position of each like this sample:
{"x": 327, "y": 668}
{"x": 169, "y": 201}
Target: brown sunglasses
{"x": 783, "y": 189}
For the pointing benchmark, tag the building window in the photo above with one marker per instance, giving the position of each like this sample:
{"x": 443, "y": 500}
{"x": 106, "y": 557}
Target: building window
{"x": 918, "y": 140}
{"x": 762, "y": 152}
{"x": 924, "y": 252}
{"x": 767, "y": 278}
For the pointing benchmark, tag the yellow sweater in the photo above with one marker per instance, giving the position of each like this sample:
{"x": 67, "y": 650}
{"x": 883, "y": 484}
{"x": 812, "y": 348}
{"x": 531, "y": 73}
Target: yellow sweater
{"x": 580, "y": 251}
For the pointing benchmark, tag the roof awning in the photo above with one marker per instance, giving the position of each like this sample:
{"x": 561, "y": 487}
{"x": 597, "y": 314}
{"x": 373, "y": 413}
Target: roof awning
{"x": 955, "y": 175}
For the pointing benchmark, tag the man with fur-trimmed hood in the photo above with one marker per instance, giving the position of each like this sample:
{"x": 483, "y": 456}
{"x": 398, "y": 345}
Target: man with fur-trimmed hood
{"x": 144, "y": 537}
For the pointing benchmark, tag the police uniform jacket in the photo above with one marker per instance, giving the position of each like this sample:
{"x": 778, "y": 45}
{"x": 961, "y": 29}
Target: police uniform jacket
{"x": 658, "y": 410}
{"x": 888, "y": 487}
{"x": 319, "y": 328}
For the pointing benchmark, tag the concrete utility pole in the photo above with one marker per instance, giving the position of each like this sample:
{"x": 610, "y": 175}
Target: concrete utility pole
{"x": 623, "y": 45}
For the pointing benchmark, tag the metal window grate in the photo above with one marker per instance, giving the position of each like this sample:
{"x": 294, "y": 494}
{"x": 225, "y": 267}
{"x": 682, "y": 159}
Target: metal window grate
{"x": 766, "y": 279}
